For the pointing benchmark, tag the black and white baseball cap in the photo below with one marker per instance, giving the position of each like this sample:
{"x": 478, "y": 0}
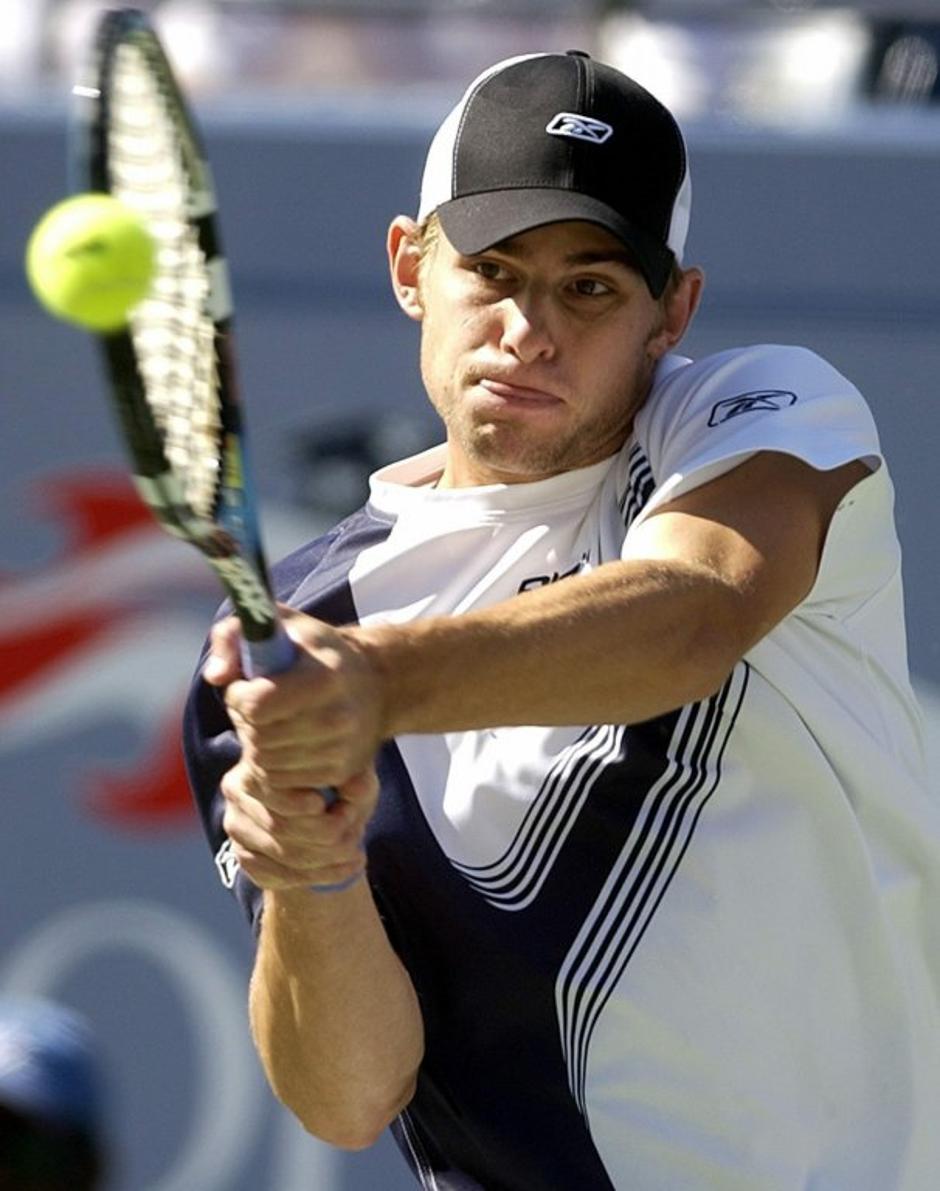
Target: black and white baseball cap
{"x": 548, "y": 137}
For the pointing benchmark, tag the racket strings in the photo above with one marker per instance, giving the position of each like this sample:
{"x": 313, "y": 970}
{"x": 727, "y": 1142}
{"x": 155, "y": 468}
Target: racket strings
{"x": 173, "y": 328}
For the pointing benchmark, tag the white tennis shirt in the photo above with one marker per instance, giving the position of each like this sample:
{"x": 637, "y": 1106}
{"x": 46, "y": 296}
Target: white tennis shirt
{"x": 698, "y": 953}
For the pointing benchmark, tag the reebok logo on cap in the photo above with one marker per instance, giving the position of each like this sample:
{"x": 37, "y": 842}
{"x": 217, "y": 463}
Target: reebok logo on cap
{"x": 582, "y": 128}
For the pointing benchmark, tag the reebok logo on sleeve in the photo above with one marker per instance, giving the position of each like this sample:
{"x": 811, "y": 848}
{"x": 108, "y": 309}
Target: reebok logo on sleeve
{"x": 762, "y": 401}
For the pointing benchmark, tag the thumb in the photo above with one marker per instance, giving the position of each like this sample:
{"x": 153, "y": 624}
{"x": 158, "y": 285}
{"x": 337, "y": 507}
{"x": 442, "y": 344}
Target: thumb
{"x": 223, "y": 665}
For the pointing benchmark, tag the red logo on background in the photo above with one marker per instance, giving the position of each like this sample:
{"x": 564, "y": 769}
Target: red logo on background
{"x": 109, "y": 626}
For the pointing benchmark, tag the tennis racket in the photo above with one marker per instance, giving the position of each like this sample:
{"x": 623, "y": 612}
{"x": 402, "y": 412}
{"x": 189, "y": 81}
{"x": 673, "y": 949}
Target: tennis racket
{"x": 172, "y": 371}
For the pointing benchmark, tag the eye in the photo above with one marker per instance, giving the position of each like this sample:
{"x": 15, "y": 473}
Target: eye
{"x": 490, "y": 270}
{"x": 591, "y": 287}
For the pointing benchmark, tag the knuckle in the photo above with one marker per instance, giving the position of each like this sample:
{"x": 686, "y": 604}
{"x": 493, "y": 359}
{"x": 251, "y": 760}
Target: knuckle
{"x": 267, "y": 760}
{"x": 340, "y": 719}
{"x": 230, "y": 785}
{"x": 220, "y": 632}
{"x": 247, "y": 859}
{"x": 248, "y": 736}
{"x": 291, "y": 805}
{"x": 230, "y": 827}
{"x": 249, "y": 701}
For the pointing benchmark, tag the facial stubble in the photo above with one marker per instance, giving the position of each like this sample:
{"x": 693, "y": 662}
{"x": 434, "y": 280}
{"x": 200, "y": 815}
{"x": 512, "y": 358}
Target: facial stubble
{"x": 505, "y": 448}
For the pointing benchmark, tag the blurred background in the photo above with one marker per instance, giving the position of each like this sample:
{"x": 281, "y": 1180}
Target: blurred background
{"x": 814, "y": 134}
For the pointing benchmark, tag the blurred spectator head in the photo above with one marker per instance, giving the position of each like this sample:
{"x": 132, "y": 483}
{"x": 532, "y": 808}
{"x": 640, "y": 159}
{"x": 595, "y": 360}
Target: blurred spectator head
{"x": 50, "y": 1099}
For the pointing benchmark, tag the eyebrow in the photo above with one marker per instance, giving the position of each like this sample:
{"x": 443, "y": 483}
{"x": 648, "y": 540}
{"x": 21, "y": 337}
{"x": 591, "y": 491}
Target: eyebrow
{"x": 597, "y": 256}
{"x": 603, "y": 256}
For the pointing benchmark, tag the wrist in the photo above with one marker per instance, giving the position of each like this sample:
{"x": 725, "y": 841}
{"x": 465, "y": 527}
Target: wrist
{"x": 377, "y": 646}
{"x": 297, "y": 907}
{"x": 339, "y": 886}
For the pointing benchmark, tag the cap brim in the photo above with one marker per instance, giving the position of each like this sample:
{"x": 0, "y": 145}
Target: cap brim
{"x": 477, "y": 222}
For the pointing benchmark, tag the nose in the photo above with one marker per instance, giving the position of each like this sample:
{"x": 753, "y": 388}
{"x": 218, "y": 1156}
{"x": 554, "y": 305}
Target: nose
{"x": 526, "y": 330}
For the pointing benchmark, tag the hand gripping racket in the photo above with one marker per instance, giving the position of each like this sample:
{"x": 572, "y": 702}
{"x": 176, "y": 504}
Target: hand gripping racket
{"x": 171, "y": 370}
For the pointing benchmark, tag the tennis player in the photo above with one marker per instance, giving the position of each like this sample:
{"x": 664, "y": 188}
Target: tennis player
{"x": 634, "y": 877}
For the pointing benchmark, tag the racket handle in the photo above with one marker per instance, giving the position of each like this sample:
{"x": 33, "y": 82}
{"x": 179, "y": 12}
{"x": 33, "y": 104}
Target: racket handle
{"x": 274, "y": 656}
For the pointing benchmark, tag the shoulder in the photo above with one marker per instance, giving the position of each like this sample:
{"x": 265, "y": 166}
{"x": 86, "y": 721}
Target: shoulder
{"x": 759, "y": 376}
{"x": 764, "y": 397}
{"x": 304, "y": 577}
{"x": 289, "y": 572}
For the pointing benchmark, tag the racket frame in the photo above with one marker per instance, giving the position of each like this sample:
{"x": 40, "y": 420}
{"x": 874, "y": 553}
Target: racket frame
{"x": 229, "y": 538}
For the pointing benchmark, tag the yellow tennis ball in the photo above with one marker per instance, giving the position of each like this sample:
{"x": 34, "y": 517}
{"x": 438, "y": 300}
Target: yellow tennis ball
{"x": 90, "y": 260}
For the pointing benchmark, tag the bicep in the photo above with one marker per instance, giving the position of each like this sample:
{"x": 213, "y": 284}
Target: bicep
{"x": 759, "y": 530}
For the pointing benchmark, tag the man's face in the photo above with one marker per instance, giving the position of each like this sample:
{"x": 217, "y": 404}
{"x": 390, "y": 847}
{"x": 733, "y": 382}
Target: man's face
{"x": 536, "y": 353}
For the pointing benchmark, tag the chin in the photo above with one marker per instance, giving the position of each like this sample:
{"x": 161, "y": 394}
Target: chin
{"x": 520, "y": 464}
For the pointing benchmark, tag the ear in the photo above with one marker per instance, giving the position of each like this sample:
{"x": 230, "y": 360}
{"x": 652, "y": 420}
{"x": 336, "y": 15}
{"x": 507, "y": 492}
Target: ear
{"x": 404, "y": 261}
{"x": 678, "y": 311}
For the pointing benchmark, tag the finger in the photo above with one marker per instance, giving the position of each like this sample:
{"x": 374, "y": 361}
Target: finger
{"x": 320, "y": 771}
{"x": 294, "y": 843}
{"x": 223, "y": 665}
{"x": 316, "y": 687}
{"x": 284, "y": 802}
{"x": 252, "y": 702}
{"x": 311, "y": 775}
{"x": 299, "y": 818}
{"x": 292, "y": 706}
{"x": 294, "y": 802}
{"x": 311, "y": 763}
{"x": 269, "y": 719}
{"x": 269, "y": 874}
{"x": 360, "y": 791}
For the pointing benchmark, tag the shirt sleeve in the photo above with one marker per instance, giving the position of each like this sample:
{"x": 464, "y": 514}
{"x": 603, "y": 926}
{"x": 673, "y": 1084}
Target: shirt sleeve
{"x": 705, "y": 418}
{"x": 709, "y": 416}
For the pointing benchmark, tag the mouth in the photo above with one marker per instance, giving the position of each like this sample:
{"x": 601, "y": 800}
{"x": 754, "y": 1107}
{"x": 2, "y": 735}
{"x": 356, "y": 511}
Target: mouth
{"x": 509, "y": 393}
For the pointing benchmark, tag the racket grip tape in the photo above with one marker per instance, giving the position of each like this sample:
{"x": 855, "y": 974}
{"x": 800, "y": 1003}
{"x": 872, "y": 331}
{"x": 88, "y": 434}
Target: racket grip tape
{"x": 273, "y": 656}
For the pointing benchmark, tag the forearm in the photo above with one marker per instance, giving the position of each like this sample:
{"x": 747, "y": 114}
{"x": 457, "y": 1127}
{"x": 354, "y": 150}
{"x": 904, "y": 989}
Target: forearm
{"x": 334, "y": 1014}
{"x": 629, "y": 641}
